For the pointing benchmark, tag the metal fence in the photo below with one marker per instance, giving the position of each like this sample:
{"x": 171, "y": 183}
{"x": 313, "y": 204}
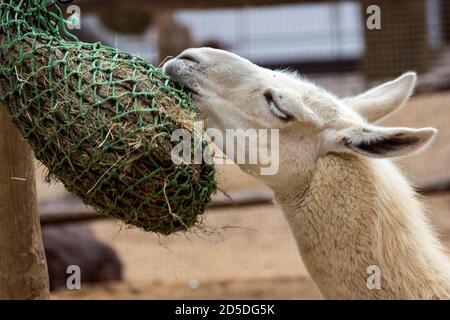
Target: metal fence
{"x": 328, "y": 41}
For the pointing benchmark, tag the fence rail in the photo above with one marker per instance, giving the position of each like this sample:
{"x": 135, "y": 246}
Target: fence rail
{"x": 63, "y": 210}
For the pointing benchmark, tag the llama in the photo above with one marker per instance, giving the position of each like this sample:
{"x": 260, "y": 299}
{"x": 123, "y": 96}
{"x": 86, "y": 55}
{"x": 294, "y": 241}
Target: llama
{"x": 348, "y": 207}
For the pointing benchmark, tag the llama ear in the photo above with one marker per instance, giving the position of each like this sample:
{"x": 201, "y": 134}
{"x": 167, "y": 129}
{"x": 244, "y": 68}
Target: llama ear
{"x": 378, "y": 102}
{"x": 380, "y": 142}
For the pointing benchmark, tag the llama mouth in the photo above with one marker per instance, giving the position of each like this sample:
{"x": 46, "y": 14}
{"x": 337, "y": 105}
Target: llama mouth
{"x": 189, "y": 86}
{"x": 189, "y": 89}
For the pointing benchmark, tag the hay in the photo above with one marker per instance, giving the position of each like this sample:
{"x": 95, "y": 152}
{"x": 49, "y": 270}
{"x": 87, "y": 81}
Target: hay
{"x": 100, "y": 120}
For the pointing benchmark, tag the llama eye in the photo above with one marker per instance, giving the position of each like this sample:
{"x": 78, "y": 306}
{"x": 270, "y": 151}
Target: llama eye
{"x": 269, "y": 97}
{"x": 275, "y": 109}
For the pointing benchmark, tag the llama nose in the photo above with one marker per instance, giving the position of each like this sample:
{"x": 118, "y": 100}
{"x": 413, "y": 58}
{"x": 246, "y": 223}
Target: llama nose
{"x": 170, "y": 68}
{"x": 175, "y": 70}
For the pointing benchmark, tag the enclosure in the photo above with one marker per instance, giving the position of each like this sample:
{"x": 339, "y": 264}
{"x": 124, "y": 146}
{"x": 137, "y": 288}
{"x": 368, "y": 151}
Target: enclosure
{"x": 248, "y": 251}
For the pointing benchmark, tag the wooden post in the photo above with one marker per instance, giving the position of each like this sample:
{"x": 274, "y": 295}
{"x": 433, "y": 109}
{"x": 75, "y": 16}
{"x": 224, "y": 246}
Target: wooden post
{"x": 445, "y": 19}
{"x": 402, "y": 42}
{"x": 125, "y": 20}
{"x": 23, "y": 268}
{"x": 173, "y": 36}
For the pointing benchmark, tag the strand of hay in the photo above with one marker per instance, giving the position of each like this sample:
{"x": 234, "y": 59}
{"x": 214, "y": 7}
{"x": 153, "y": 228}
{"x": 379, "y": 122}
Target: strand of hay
{"x": 100, "y": 120}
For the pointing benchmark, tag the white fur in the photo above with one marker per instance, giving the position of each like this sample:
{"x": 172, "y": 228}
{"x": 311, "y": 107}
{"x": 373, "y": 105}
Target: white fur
{"x": 347, "y": 209}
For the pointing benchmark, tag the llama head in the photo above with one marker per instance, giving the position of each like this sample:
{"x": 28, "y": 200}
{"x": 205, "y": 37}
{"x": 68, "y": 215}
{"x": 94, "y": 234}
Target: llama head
{"x": 233, "y": 93}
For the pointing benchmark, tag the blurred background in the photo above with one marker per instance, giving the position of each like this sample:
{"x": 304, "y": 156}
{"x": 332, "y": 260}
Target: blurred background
{"x": 248, "y": 252}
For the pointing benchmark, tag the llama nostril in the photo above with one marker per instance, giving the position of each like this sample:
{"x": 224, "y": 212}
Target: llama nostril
{"x": 188, "y": 58}
{"x": 171, "y": 69}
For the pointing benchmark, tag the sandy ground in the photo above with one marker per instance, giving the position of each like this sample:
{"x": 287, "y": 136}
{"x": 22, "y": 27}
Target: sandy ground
{"x": 251, "y": 256}
{"x": 249, "y": 253}
{"x": 291, "y": 288}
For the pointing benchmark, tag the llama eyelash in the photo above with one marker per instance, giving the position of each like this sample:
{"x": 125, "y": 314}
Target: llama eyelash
{"x": 275, "y": 109}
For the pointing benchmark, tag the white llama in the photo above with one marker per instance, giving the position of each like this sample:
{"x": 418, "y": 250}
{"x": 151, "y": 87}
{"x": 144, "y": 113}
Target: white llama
{"x": 348, "y": 209}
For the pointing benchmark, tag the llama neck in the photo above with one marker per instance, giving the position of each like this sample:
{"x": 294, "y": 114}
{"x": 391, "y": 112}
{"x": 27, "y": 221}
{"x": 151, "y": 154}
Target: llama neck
{"x": 357, "y": 213}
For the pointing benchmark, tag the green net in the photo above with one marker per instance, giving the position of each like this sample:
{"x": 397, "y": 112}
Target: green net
{"x": 100, "y": 120}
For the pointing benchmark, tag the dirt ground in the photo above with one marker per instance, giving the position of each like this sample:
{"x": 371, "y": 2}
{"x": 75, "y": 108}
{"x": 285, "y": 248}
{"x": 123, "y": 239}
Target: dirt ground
{"x": 254, "y": 259}
{"x": 249, "y": 253}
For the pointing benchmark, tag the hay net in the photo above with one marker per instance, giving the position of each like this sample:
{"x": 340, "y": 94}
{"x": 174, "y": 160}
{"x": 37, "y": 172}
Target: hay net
{"x": 100, "y": 120}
